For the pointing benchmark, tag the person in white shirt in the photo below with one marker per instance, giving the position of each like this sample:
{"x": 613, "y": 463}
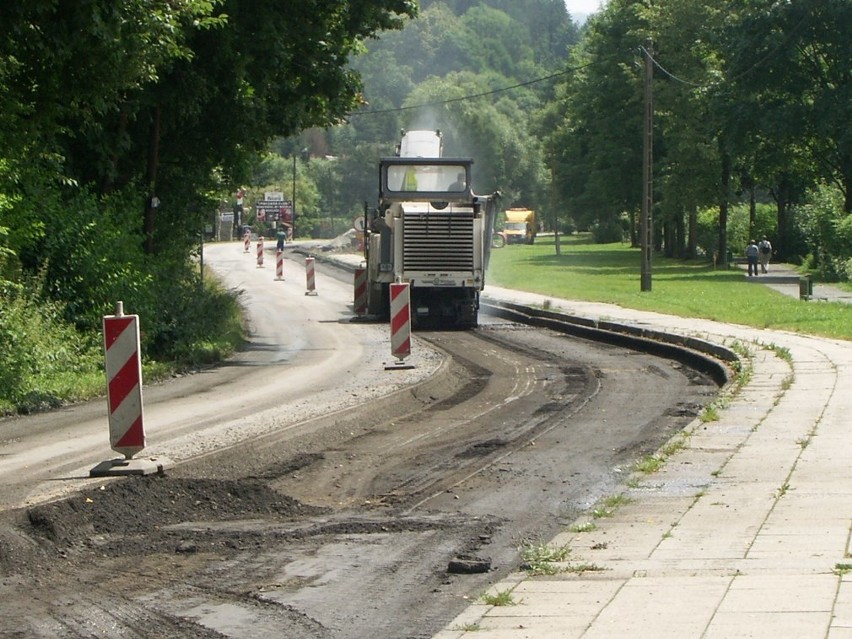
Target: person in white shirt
{"x": 765, "y": 253}
{"x": 752, "y": 253}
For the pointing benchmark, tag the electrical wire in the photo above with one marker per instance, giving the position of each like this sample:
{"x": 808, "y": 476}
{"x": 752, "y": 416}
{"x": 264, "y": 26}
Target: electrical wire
{"x": 744, "y": 73}
{"x": 568, "y": 71}
{"x": 473, "y": 96}
{"x": 670, "y": 74}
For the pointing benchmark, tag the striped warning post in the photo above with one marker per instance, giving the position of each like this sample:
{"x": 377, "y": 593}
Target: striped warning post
{"x": 360, "y": 291}
{"x": 124, "y": 382}
{"x": 247, "y": 240}
{"x": 400, "y": 320}
{"x": 279, "y": 264}
{"x": 310, "y": 276}
{"x": 260, "y": 251}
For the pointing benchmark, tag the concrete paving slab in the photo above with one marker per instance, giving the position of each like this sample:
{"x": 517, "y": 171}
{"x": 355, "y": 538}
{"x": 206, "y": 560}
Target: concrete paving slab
{"x": 767, "y": 625}
{"x": 538, "y": 627}
{"x": 780, "y": 593}
{"x": 660, "y": 608}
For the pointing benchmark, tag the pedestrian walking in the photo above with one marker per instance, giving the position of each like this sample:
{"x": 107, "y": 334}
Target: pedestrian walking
{"x": 765, "y": 253}
{"x": 752, "y": 254}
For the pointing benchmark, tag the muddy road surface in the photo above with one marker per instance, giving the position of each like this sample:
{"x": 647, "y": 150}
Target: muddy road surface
{"x": 331, "y": 500}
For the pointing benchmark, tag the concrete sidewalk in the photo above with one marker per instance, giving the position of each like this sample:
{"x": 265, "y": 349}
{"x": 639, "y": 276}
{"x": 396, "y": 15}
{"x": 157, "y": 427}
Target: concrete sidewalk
{"x": 785, "y": 279}
{"x": 744, "y": 532}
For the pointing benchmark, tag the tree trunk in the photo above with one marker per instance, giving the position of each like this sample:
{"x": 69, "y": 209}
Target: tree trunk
{"x": 783, "y": 195}
{"x": 152, "y": 201}
{"x": 680, "y": 237}
{"x": 692, "y": 234}
{"x": 634, "y": 233}
{"x": 752, "y": 213}
{"x": 108, "y": 183}
{"x": 669, "y": 239}
{"x": 723, "y": 206}
{"x": 782, "y": 245}
{"x": 847, "y": 193}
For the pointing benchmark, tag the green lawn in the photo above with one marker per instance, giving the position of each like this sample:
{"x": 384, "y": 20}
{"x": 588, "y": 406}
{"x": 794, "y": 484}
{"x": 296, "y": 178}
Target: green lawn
{"x": 611, "y": 273}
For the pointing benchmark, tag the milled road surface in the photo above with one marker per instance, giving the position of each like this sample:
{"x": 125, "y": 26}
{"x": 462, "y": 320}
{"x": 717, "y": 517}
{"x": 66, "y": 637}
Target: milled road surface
{"x": 333, "y": 503}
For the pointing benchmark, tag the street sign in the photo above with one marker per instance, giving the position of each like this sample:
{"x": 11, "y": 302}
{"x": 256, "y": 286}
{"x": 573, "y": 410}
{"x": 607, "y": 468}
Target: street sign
{"x": 274, "y": 210}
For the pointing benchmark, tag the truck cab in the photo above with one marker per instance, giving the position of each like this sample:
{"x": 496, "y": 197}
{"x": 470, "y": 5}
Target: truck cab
{"x": 520, "y": 226}
{"x": 431, "y": 231}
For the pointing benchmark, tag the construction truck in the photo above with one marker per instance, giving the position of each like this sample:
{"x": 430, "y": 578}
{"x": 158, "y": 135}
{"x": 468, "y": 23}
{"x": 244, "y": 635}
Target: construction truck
{"x": 430, "y": 230}
{"x": 520, "y": 226}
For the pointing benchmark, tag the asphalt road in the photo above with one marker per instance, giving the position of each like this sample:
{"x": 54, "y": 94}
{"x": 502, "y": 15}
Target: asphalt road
{"x": 303, "y": 353}
{"x": 317, "y": 494}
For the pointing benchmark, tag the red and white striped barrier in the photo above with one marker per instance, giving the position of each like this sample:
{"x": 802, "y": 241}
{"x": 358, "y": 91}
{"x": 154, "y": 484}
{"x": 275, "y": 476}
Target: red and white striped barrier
{"x": 260, "y": 251}
{"x": 124, "y": 382}
{"x": 360, "y": 292}
{"x": 400, "y": 320}
{"x": 279, "y": 264}
{"x": 247, "y": 241}
{"x": 310, "y": 276}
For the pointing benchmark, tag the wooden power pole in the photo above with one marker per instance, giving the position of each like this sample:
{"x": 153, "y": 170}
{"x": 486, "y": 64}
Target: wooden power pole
{"x": 646, "y": 227}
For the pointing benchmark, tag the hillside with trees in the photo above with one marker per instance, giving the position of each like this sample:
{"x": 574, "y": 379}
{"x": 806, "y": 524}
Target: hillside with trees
{"x": 478, "y": 71}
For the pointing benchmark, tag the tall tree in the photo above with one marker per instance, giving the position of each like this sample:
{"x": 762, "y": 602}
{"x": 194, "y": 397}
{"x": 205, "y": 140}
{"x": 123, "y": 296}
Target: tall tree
{"x": 160, "y": 93}
{"x": 110, "y": 108}
{"x": 789, "y": 69}
{"x": 690, "y": 170}
{"x": 596, "y": 146}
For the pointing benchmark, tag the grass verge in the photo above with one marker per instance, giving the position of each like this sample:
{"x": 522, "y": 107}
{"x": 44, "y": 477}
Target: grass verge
{"x": 610, "y": 273}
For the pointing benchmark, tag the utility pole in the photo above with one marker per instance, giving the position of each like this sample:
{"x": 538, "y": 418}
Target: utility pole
{"x": 646, "y": 227}
{"x": 553, "y": 212}
{"x": 293, "y": 220}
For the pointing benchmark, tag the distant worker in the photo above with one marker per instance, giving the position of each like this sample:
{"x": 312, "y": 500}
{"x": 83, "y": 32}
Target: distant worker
{"x": 752, "y": 253}
{"x": 765, "y": 253}
{"x": 281, "y": 237}
{"x": 409, "y": 181}
{"x": 459, "y": 185}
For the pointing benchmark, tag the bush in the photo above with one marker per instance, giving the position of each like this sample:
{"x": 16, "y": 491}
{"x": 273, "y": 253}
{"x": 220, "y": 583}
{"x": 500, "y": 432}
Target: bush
{"x": 738, "y": 227}
{"x": 188, "y": 324}
{"x": 828, "y": 230}
{"x": 39, "y": 351}
{"x": 606, "y": 233}
{"x": 567, "y": 227}
{"x": 46, "y": 362}
{"x": 58, "y": 278}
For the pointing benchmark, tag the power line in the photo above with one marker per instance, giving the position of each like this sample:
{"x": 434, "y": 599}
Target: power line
{"x": 474, "y": 96}
{"x": 670, "y": 74}
{"x": 570, "y": 70}
{"x": 753, "y": 67}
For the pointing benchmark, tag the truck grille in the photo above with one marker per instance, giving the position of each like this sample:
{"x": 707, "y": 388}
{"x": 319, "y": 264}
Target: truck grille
{"x": 437, "y": 242}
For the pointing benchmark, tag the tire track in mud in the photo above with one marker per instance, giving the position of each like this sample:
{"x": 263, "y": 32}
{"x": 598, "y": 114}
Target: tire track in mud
{"x": 343, "y": 527}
